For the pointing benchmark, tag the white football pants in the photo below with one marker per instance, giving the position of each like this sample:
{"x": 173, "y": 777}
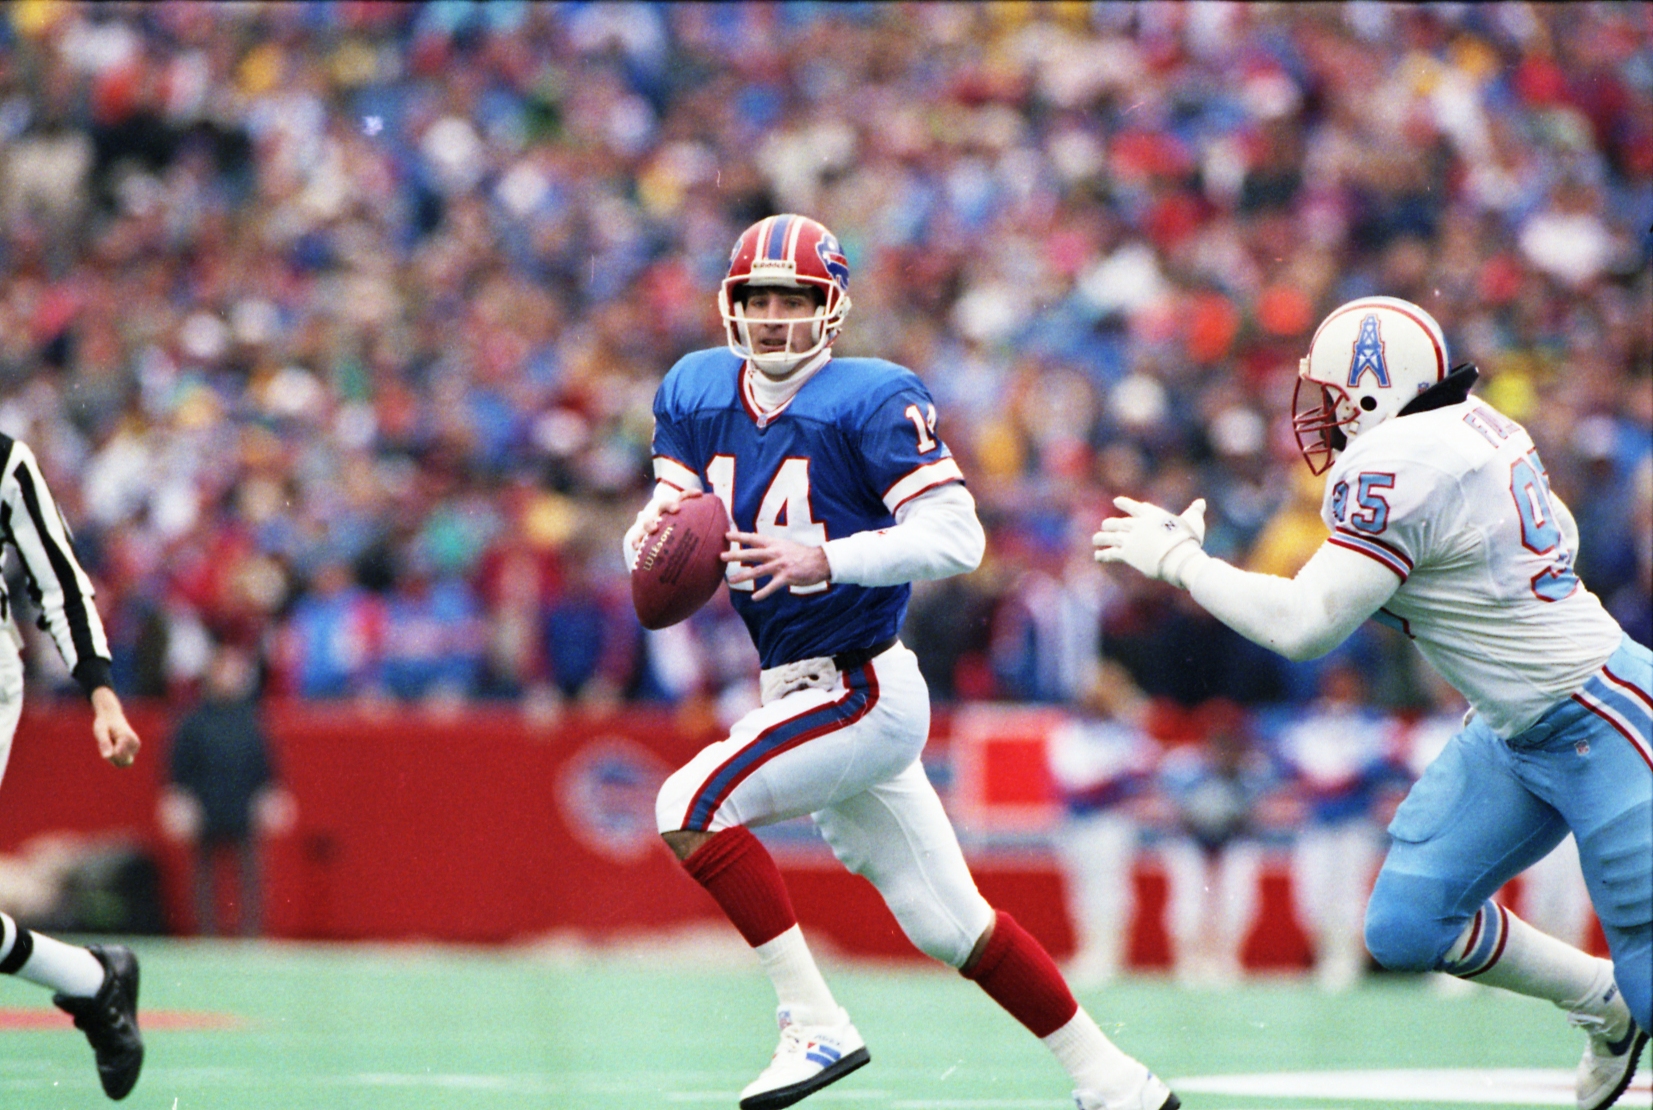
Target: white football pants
{"x": 848, "y": 756}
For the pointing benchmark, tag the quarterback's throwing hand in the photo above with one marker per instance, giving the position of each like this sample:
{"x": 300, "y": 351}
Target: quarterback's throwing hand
{"x": 784, "y": 562}
{"x": 1152, "y": 540}
{"x": 665, "y": 500}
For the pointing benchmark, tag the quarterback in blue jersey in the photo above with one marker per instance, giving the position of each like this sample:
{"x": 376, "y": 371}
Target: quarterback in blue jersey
{"x": 841, "y": 494}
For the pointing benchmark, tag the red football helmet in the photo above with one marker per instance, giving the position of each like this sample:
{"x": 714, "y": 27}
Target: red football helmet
{"x": 794, "y": 252}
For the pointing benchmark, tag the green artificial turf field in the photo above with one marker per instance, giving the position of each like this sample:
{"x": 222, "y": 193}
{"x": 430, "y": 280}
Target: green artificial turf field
{"x": 233, "y": 1026}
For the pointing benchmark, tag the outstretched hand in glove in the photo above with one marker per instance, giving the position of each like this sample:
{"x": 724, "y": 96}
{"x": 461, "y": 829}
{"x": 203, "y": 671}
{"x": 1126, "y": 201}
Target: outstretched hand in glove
{"x": 1154, "y": 541}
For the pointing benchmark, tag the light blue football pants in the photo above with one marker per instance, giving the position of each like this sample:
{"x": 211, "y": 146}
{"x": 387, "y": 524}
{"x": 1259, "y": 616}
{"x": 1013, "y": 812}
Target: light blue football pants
{"x": 1487, "y": 809}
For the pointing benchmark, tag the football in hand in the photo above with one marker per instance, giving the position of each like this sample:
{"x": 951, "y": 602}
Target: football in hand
{"x": 678, "y": 569}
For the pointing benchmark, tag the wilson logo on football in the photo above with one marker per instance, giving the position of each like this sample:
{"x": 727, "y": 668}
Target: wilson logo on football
{"x": 678, "y": 558}
{"x": 658, "y": 545}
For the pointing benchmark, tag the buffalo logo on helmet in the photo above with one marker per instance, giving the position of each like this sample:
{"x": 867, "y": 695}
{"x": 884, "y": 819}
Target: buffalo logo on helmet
{"x": 832, "y": 257}
{"x": 1368, "y": 354}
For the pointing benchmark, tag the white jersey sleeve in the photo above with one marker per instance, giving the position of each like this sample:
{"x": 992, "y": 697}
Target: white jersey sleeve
{"x": 936, "y": 534}
{"x": 1302, "y": 617}
{"x": 1455, "y": 503}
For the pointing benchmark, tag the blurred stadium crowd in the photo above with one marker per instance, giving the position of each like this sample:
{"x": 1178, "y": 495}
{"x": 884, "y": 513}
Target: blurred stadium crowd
{"x": 335, "y": 326}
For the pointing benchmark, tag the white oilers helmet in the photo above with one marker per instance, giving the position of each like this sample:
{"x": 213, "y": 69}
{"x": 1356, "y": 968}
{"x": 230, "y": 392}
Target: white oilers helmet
{"x": 791, "y": 252}
{"x": 1367, "y": 360}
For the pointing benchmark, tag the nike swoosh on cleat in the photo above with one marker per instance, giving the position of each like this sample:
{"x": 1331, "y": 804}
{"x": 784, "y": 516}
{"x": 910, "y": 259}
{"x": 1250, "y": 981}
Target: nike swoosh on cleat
{"x": 1619, "y": 1048}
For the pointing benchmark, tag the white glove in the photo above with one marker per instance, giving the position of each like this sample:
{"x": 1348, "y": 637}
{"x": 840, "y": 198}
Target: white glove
{"x": 665, "y": 500}
{"x": 1153, "y": 541}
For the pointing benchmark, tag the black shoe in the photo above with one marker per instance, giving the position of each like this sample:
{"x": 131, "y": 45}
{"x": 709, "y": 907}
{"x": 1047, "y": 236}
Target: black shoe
{"x": 110, "y": 1019}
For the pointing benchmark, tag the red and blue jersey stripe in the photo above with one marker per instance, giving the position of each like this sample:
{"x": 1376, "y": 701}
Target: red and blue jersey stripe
{"x": 1391, "y": 557}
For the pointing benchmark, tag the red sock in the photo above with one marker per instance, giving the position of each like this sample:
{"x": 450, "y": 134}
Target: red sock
{"x": 1018, "y": 974}
{"x": 740, "y": 875}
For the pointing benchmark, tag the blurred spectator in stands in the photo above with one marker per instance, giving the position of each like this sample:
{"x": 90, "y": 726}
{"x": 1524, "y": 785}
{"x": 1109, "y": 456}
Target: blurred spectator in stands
{"x": 591, "y": 636}
{"x": 1046, "y": 631}
{"x": 432, "y": 644}
{"x": 1632, "y": 603}
{"x": 1347, "y": 774}
{"x": 1211, "y": 813}
{"x": 1172, "y": 649}
{"x": 1608, "y": 513}
{"x": 224, "y": 793}
{"x": 333, "y": 637}
{"x": 1102, "y": 762}
{"x": 332, "y": 273}
{"x": 948, "y": 627}
{"x": 1244, "y": 496}
{"x": 516, "y": 581}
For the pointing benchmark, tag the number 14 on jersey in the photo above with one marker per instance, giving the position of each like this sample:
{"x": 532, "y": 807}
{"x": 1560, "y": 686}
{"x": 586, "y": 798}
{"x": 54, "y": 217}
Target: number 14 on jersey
{"x": 784, "y": 510}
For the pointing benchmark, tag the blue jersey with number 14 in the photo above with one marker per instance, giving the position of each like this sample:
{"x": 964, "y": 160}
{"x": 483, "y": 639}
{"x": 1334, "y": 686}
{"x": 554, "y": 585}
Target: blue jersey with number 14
{"x": 856, "y": 442}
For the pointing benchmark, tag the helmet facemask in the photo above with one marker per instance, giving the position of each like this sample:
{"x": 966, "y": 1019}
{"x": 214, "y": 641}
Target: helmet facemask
{"x": 823, "y": 325}
{"x": 1320, "y": 428}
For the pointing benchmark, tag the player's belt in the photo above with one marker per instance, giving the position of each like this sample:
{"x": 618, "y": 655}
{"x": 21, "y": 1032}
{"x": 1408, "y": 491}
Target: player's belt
{"x": 849, "y": 660}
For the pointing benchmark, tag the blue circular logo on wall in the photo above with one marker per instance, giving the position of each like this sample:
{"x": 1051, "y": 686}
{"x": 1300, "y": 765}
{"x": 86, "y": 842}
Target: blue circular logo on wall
{"x": 607, "y": 793}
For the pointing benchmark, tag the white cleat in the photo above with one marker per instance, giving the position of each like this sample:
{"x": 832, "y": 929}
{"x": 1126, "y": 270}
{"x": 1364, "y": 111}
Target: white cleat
{"x": 1610, "y": 1053}
{"x": 1154, "y": 1095}
{"x": 808, "y": 1058}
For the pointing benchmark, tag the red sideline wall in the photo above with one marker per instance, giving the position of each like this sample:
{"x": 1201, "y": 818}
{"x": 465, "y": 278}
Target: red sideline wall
{"x": 481, "y": 827}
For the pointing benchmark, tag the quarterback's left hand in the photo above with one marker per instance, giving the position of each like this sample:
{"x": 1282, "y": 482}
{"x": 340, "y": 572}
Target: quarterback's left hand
{"x": 785, "y": 562}
{"x": 1152, "y": 540}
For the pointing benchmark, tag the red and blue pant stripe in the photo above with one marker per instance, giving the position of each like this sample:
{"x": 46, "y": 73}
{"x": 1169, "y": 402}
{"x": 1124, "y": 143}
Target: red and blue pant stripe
{"x": 858, "y": 699}
{"x": 1625, "y": 706}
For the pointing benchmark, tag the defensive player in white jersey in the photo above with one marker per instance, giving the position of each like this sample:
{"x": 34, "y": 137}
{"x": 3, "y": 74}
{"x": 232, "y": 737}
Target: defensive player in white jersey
{"x": 841, "y": 494}
{"x": 1443, "y": 525}
{"x": 98, "y": 986}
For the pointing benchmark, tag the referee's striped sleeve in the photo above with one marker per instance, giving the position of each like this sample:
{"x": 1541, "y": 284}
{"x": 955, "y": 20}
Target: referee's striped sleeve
{"x": 32, "y": 523}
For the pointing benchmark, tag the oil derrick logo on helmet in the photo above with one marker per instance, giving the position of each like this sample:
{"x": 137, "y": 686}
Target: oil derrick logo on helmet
{"x": 793, "y": 252}
{"x": 1366, "y": 361}
{"x": 1368, "y": 354}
